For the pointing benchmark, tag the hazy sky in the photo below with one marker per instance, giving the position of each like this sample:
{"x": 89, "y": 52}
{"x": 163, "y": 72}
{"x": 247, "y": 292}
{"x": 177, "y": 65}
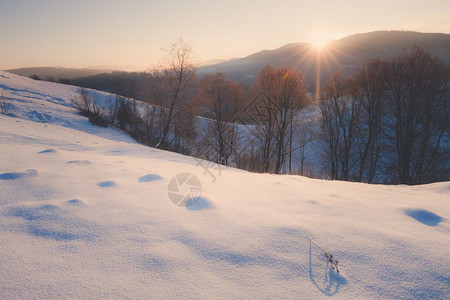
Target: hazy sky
{"x": 81, "y": 33}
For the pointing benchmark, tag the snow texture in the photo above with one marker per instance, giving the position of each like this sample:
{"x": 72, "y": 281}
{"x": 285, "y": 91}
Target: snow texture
{"x": 85, "y": 213}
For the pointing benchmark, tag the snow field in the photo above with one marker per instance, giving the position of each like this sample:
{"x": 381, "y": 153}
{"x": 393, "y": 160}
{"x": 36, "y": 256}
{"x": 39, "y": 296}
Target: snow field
{"x": 85, "y": 213}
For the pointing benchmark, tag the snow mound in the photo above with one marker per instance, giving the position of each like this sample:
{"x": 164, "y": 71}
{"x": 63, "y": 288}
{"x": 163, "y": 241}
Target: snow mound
{"x": 149, "y": 177}
{"x": 18, "y": 175}
{"x": 201, "y": 203}
{"x": 424, "y": 216}
{"x": 48, "y": 222}
{"x": 79, "y": 162}
{"x": 76, "y": 202}
{"x": 48, "y": 151}
{"x": 106, "y": 184}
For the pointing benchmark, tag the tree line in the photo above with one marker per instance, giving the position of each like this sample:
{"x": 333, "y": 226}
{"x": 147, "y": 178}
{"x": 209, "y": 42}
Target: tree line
{"x": 387, "y": 123}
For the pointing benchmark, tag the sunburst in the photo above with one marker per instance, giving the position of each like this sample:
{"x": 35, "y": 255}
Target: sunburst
{"x": 319, "y": 43}
{"x": 320, "y": 55}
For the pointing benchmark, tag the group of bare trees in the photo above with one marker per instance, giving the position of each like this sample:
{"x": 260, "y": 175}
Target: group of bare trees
{"x": 170, "y": 120}
{"x": 221, "y": 99}
{"x": 166, "y": 119}
{"x": 281, "y": 94}
{"x": 173, "y": 86}
{"x": 389, "y": 121}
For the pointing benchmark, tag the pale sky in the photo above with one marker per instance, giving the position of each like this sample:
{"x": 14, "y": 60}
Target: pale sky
{"x": 83, "y": 33}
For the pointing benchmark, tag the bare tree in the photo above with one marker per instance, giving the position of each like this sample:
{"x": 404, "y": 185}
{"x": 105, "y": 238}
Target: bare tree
{"x": 369, "y": 85}
{"x": 85, "y": 105}
{"x": 117, "y": 89}
{"x": 340, "y": 111}
{"x": 3, "y": 106}
{"x": 222, "y": 99}
{"x": 417, "y": 93}
{"x": 184, "y": 129}
{"x": 284, "y": 93}
{"x": 173, "y": 87}
{"x": 149, "y": 120}
{"x": 304, "y": 135}
{"x": 83, "y": 102}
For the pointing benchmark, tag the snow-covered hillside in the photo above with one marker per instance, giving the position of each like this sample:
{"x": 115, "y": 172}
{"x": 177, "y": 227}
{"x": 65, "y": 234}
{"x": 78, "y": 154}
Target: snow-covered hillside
{"x": 86, "y": 212}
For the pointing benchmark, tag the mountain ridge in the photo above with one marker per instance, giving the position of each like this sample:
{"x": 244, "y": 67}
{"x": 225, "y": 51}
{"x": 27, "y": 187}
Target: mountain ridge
{"x": 345, "y": 54}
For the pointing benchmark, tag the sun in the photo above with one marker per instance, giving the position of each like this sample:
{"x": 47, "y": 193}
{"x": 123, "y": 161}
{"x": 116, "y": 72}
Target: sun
{"x": 319, "y": 42}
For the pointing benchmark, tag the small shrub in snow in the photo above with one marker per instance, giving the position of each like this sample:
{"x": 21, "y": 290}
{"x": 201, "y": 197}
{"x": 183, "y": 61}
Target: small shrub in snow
{"x": 83, "y": 102}
{"x": 86, "y": 107}
{"x": 98, "y": 119}
{"x": 334, "y": 262}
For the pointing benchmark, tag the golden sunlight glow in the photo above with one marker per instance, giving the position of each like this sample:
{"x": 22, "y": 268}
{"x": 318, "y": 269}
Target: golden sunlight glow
{"x": 319, "y": 42}
{"x": 320, "y": 56}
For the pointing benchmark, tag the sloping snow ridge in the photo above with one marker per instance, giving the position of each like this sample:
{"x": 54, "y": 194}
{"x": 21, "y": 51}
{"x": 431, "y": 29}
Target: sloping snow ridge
{"x": 86, "y": 212}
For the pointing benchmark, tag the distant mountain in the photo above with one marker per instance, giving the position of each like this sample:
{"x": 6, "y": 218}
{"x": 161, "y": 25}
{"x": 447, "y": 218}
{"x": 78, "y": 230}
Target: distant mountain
{"x": 216, "y": 61}
{"x": 57, "y": 72}
{"x": 129, "y": 84}
{"x": 345, "y": 54}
